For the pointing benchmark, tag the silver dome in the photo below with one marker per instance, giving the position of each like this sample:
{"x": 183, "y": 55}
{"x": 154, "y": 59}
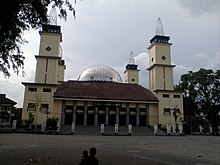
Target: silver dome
{"x": 100, "y": 73}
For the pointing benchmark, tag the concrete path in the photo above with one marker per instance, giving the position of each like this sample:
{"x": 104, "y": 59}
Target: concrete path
{"x": 27, "y": 149}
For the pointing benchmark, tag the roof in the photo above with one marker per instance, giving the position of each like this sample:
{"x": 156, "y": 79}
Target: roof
{"x": 4, "y": 100}
{"x": 104, "y": 91}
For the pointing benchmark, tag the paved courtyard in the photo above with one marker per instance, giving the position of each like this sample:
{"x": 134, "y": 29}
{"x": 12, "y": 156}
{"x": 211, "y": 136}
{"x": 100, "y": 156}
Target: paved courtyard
{"x": 26, "y": 149}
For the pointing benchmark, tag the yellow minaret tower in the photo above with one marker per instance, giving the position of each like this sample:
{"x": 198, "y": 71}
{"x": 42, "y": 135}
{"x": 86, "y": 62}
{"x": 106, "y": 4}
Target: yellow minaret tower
{"x": 131, "y": 72}
{"x": 38, "y": 98}
{"x": 50, "y": 66}
{"x": 161, "y": 77}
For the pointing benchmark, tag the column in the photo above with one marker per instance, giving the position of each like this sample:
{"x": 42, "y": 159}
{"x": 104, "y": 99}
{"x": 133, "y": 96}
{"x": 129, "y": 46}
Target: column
{"x": 147, "y": 114}
{"x": 117, "y": 115}
{"x": 85, "y": 113}
{"x": 74, "y": 112}
{"x": 127, "y": 114}
{"x": 63, "y": 112}
{"x": 137, "y": 114}
{"x": 96, "y": 116}
{"x": 106, "y": 115}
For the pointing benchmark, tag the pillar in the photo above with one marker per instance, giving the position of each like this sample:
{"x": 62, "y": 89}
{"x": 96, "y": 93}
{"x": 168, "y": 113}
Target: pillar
{"x": 106, "y": 115}
{"x": 127, "y": 114}
{"x": 85, "y": 113}
{"x": 147, "y": 114}
{"x": 74, "y": 112}
{"x": 96, "y": 116}
{"x": 137, "y": 114}
{"x": 63, "y": 112}
{"x": 117, "y": 115}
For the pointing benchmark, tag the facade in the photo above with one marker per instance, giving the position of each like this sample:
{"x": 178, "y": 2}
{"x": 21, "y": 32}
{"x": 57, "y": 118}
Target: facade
{"x": 99, "y": 96}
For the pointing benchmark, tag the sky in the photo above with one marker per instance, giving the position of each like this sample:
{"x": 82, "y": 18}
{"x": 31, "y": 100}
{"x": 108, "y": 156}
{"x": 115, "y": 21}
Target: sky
{"x": 106, "y": 31}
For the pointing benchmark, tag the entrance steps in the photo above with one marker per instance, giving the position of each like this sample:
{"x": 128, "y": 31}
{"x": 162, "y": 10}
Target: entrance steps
{"x": 109, "y": 130}
{"x": 136, "y": 131}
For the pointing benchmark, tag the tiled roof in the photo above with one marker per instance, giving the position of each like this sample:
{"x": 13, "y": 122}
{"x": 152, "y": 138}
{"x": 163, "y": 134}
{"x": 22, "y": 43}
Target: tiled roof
{"x": 104, "y": 91}
{"x": 5, "y": 100}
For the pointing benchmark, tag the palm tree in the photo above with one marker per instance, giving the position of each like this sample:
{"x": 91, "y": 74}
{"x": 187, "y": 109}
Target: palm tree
{"x": 37, "y": 105}
{"x": 176, "y": 113}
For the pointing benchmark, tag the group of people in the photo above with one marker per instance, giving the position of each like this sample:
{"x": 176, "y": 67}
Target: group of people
{"x": 89, "y": 159}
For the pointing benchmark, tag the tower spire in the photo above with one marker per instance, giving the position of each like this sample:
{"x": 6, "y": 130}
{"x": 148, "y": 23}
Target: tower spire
{"x": 131, "y": 58}
{"x": 53, "y": 16}
{"x": 159, "y": 27}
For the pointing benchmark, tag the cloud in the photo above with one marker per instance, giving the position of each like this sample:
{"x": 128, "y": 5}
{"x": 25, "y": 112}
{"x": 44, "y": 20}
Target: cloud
{"x": 13, "y": 88}
{"x": 200, "y": 7}
{"x": 214, "y": 61}
{"x": 200, "y": 56}
{"x": 178, "y": 71}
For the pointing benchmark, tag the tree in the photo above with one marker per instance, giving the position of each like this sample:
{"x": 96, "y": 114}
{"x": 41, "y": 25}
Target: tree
{"x": 37, "y": 105}
{"x": 201, "y": 94}
{"x": 52, "y": 123}
{"x": 176, "y": 113}
{"x": 17, "y": 16}
{"x": 29, "y": 121}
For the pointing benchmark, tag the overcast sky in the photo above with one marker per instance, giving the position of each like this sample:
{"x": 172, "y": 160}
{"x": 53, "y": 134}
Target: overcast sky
{"x": 106, "y": 31}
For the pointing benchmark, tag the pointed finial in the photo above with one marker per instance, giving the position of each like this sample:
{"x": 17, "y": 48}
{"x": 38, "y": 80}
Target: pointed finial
{"x": 131, "y": 58}
{"x": 53, "y": 16}
{"x": 159, "y": 27}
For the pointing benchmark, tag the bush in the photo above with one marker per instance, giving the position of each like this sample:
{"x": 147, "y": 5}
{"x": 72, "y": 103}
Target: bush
{"x": 52, "y": 123}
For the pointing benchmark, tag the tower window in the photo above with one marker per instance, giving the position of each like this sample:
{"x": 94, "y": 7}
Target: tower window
{"x": 46, "y": 90}
{"x": 132, "y": 79}
{"x": 45, "y": 108}
{"x": 163, "y": 58}
{"x": 32, "y": 89}
{"x": 48, "y": 49}
{"x": 176, "y": 96}
{"x": 166, "y": 95}
{"x": 166, "y": 111}
{"x": 31, "y": 107}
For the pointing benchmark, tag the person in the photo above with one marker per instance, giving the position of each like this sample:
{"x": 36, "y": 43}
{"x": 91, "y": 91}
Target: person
{"x": 92, "y": 159}
{"x": 84, "y": 158}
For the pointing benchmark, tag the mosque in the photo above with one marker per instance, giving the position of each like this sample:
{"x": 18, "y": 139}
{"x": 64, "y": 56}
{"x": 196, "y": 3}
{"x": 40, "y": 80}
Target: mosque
{"x": 99, "y": 96}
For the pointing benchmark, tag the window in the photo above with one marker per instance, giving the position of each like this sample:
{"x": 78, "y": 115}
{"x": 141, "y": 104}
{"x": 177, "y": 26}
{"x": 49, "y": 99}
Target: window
{"x": 176, "y": 96}
{"x": 31, "y": 107}
{"x": 166, "y": 95}
{"x": 45, "y": 108}
{"x": 166, "y": 111}
{"x": 46, "y": 90}
{"x": 32, "y": 89}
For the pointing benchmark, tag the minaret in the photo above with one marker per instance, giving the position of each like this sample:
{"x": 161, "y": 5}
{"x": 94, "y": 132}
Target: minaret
{"x": 38, "y": 97}
{"x": 160, "y": 68}
{"x": 50, "y": 66}
{"x": 131, "y": 72}
{"x": 161, "y": 76}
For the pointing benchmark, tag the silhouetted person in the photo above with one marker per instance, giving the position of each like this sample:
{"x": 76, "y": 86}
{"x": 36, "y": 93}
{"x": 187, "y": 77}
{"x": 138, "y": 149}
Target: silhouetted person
{"x": 84, "y": 158}
{"x": 92, "y": 159}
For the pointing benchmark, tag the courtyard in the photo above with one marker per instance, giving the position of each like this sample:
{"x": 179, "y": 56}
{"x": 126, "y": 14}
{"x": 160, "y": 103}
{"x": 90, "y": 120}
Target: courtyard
{"x": 22, "y": 149}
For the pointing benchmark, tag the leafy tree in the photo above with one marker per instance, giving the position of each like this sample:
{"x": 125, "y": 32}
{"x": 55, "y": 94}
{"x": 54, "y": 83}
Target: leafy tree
{"x": 17, "y": 16}
{"x": 201, "y": 94}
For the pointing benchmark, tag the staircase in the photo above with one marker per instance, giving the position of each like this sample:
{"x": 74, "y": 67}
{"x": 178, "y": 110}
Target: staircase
{"x": 109, "y": 130}
{"x": 123, "y": 131}
{"x": 65, "y": 130}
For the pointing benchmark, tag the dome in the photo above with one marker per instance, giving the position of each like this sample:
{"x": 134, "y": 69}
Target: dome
{"x": 100, "y": 73}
